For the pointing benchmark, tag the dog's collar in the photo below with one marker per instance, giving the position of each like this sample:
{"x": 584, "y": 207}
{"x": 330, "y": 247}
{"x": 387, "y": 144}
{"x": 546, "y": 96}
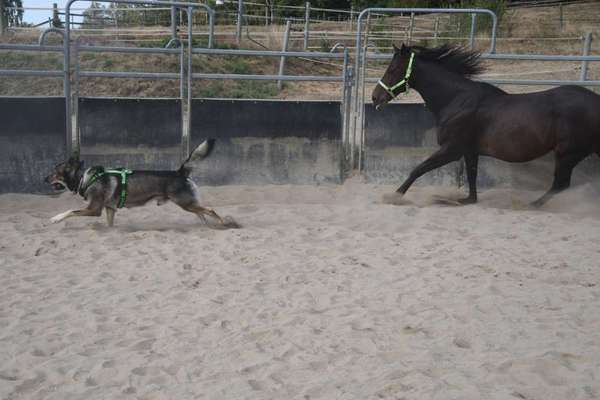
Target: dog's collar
{"x": 91, "y": 175}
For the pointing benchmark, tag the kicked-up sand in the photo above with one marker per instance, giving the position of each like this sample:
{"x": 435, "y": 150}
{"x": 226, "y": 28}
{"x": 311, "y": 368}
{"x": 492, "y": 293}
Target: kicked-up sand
{"x": 326, "y": 292}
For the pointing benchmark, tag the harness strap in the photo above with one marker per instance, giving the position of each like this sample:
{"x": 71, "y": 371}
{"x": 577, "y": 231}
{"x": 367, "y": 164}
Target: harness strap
{"x": 100, "y": 172}
{"x": 390, "y": 90}
{"x": 123, "y": 172}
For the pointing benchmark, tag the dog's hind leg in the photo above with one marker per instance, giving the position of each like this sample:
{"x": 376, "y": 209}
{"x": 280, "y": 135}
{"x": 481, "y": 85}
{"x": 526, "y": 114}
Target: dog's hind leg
{"x": 110, "y": 216}
{"x": 202, "y": 211}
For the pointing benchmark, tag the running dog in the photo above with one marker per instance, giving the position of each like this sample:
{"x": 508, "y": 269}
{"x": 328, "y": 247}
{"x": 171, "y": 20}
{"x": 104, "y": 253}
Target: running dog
{"x": 115, "y": 188}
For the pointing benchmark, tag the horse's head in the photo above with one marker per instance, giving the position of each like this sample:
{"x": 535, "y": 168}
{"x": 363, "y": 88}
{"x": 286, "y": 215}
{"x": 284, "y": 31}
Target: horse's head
{"x": 395, "y": 79}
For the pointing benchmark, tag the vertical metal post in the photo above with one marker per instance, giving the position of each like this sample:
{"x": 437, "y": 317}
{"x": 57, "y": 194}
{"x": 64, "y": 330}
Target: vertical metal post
{"x": 411, "y": 26}
{"x": 561, "y": 17}
{"x": 351, "y": 18}
{"x": 362, "y": 77}
{"x": 67, "y": 76}
{"x": 211, "y": 28}
{"x": 188, "y": 128}
{"x": 587, "y": 44}
{"x": 76, "y": 98}
{"x": 436, "y": 27}
{"x": 173, "y": 22}
{"x": 306, "y": 23}
{"x": 238, "y": 31}
{"x": 55, "y": 17}
{"x": 286, "y": 38}
{"x": 181, "y": 72}
{"x": 266, "y": 15}
{"x": 473, "y": 28}
{"x": 346, "y": 105}
{"x": 3, "y": 19}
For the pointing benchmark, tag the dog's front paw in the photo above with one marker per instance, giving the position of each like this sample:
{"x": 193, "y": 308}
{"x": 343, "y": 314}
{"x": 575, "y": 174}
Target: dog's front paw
{"x": 57, "y": 218}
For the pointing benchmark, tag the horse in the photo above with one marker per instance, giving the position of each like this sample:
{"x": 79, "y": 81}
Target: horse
{"x": 478, "y": 119}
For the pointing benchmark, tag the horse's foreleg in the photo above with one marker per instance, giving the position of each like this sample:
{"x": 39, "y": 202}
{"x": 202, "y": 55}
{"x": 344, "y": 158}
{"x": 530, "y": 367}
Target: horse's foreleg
{"x": 440, "y": 158}
{"x": 562, "y": 175}
{"x": 471, "y": 161}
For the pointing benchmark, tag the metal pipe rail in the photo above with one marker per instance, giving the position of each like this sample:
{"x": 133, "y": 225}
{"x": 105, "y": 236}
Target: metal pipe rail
{"x": 238, "y": 77}
{"x": 30, "y": 47}
{"x": 525, "y": 82}
{"x": 145, "y": 50}
{"x": 524, "y": 57}
{"x": 132, "y": 75}
{"x": 190, "y": 7}
{"x": 30, "y": 72}
{"x": 267, "y": 53}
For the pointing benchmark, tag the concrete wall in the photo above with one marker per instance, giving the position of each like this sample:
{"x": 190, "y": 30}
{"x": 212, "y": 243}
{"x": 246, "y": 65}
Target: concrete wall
{"x": 32, "y": 141}
{"x": 399, "y": 137}
{"x": 127, "y": 132}
{"x": 268, "y": 142}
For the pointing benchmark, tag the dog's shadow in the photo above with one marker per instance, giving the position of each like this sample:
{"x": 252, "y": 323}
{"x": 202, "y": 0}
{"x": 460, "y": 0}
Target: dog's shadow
{"x": 159, "y": 226}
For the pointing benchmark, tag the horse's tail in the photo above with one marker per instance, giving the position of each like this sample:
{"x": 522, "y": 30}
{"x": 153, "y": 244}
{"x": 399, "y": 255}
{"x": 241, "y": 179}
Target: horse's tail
{"x": 202, "y": 151}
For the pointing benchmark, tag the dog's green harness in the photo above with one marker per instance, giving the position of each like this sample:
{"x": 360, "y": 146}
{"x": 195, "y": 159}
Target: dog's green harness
{"x": 100, "y": 172}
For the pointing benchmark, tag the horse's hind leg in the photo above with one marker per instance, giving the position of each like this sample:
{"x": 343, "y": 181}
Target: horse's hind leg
{"x": 562, "y": 175}
{"x": 438, "y": 159}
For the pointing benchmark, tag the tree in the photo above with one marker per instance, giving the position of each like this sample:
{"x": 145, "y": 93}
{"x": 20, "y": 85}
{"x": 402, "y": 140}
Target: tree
{"x": 13, "y": 12}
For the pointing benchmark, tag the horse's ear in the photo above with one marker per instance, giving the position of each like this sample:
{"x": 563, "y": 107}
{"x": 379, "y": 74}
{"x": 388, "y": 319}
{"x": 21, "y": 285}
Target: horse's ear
{"x": 404, "y": 50}
{"x": 396, "y": 49}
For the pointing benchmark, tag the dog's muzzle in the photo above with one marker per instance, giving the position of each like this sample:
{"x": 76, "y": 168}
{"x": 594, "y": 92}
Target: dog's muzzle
{"x": 57, "y": 184}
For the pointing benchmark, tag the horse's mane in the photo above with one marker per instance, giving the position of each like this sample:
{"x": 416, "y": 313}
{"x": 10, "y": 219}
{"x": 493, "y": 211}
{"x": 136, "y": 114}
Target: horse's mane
{"x": 454, "y": 58}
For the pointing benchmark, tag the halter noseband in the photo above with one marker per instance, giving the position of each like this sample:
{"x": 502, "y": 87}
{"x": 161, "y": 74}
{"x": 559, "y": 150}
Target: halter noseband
{"x": 390, "y": 90}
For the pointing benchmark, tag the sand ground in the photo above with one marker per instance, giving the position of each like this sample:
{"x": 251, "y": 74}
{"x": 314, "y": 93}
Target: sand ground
{"x": 326, "y": 293}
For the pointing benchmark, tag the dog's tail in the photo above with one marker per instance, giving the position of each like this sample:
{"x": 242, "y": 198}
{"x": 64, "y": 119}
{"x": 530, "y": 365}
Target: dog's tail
{"x": 199, "y": 153}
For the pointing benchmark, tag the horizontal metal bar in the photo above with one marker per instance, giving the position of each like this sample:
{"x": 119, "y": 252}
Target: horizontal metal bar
{"x": 238, "y": 77}
{"x": 524, "y": 82}
{"x": 29, "y": 72}
{"x": 29, "y": 47}
{"x": 134, "y": 75}
{"x": 524, "y": 57}
{"x": 265, "y": 53}
{"x": 539, "y": 57}
{"x": 107, "y": 49}
{"x": 145, "y": 3}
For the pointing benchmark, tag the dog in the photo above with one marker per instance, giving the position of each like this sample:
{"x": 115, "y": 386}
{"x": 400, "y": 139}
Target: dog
{"x": 115, "y": 188}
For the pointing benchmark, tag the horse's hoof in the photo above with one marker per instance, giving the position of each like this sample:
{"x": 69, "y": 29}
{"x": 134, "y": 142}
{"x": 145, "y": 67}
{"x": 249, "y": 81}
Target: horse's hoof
{"x": 396, "y": 199}
{"x": 536, "y": 204}
{"x": 467, "y": 200}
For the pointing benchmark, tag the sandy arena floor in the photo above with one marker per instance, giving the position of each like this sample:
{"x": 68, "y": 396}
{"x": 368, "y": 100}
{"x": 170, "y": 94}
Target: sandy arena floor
{"x": 326, "y": 293}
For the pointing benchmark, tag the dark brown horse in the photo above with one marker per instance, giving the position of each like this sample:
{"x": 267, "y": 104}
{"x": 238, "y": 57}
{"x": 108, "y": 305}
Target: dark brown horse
{"x": 477, "y": 119}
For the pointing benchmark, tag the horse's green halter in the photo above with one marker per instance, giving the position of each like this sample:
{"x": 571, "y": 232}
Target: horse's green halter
{"x": 391, "y": 89}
